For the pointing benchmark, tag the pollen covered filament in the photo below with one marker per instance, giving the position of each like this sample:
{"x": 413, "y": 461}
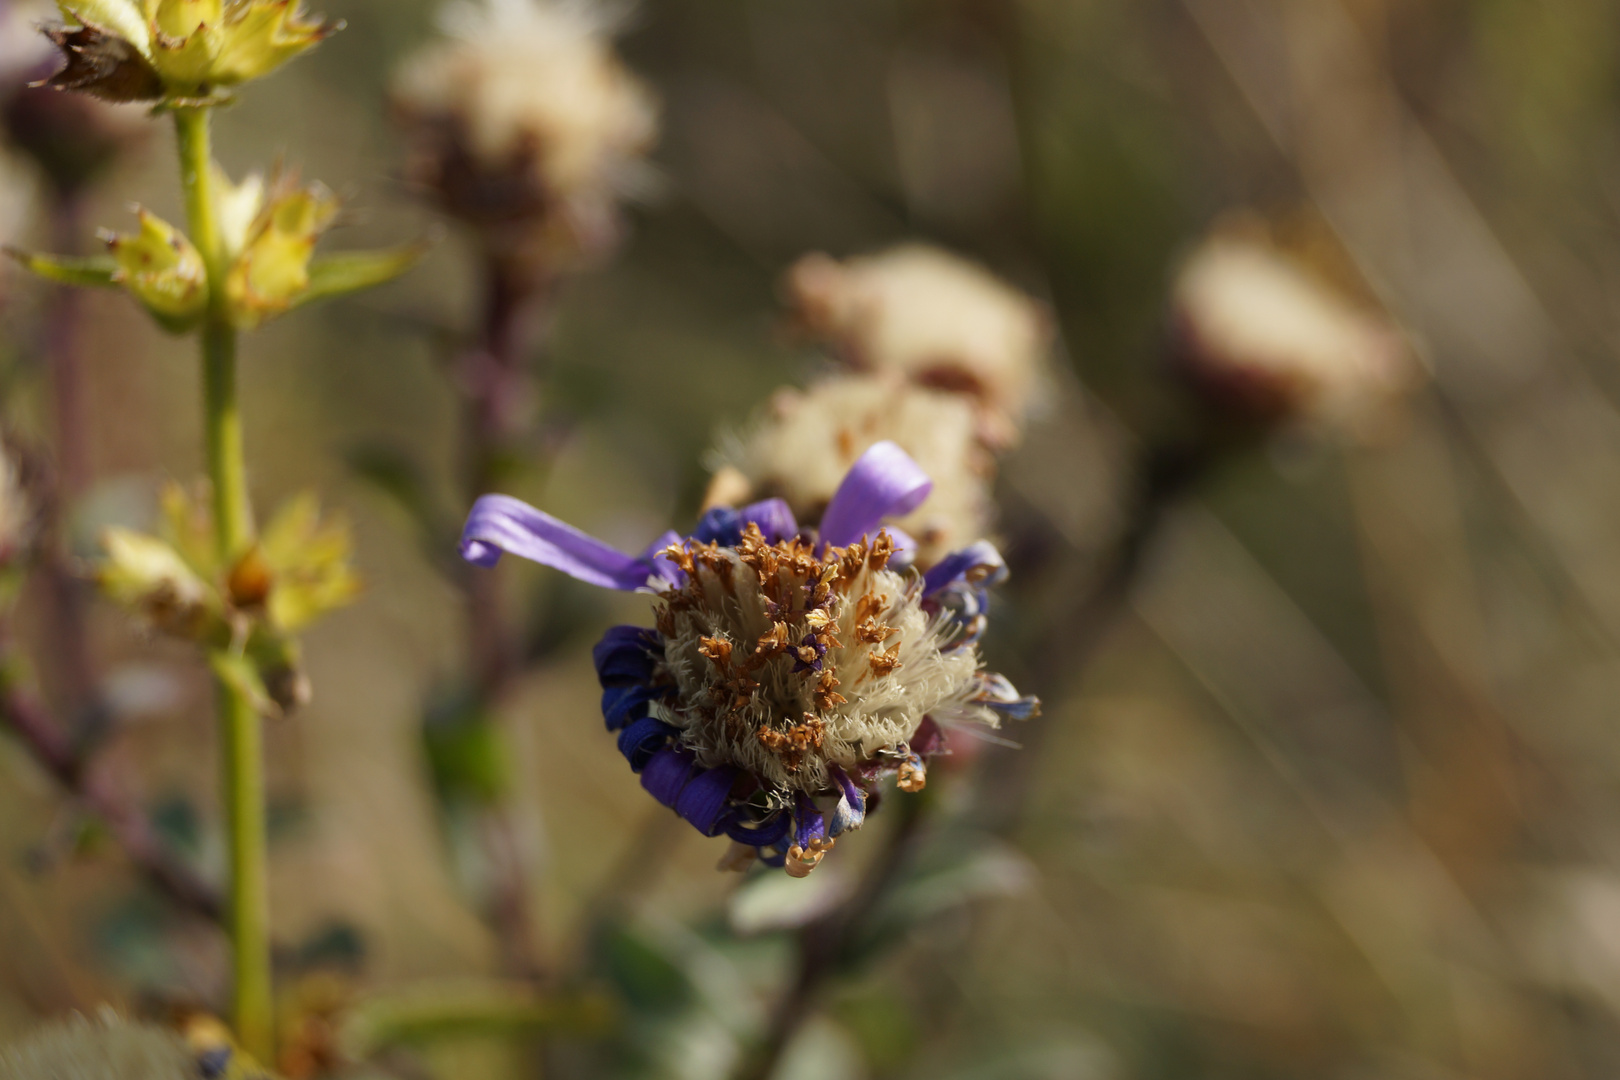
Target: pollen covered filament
{"x": 793, "y": 656}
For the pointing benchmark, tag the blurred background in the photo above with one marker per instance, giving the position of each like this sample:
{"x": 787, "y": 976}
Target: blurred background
{"x": 1334, "y": 795}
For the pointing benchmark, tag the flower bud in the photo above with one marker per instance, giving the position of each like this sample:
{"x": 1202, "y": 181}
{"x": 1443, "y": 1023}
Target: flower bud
{"x": 933, "y": 318}
{"x": 1263, "y": 341}
{"x": 271, "y": 270}
{"x": 524, "y": 124}
{"x": 151, "y": 578}
{"x": 162, "y": 270}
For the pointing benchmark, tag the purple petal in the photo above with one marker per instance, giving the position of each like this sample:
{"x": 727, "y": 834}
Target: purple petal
{"x": 883, "y": 482}
{"x": 666, "y": 774}
{"x": 626, "y": 654}
{"x": 808, "y": 823}
{"x": 500, "y": 523}
{"x": 998, "y": 693}
{"x": 774, "y": 518}
{"x": 622, "y": 704}
{"x": 772, "y": 831}
{"x": 704, "y": 798}
{"x": 850, "y": 813}
{"x": 642, "y": 739}
{"x": 661, "y": 568}
{"x": 978, "y": 564}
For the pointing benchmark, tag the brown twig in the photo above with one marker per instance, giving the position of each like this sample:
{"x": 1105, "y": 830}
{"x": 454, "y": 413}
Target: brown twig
{"x": 26, "y": 717}
{"x": 496, "y": 415}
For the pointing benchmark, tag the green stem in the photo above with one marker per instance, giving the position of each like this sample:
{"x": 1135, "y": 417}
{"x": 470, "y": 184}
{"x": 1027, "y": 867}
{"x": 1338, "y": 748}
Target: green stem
{"x": 240, "y": 736}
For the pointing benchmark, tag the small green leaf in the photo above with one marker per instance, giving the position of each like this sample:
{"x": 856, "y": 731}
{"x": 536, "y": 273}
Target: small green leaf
{"x": 351, "y": 271}
{"x": 94, "y": 270}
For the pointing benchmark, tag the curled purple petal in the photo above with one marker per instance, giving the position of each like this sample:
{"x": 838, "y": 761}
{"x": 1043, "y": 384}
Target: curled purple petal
{"x": 704, "y": 798}
{"x": 998, "y": 693}
{"x": 773, "y": 830}
{"x": 666, "y": 774}
{"x": 774, "y": 518}
{"x": 500, "y": 523}
{"x": 850, "y": 813}
{"x": 626, "y": 654}
{"x": 883, "y": 482}
{"x": 641, "y": 740}
{"x": 622, "y": 704}
{"x": 719, "y": 525}
{"x": 979, "y": 564}
{"x": 808, "y": 822}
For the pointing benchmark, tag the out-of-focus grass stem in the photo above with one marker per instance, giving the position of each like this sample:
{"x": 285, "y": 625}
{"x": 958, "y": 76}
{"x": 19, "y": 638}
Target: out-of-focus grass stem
{"x": 241, "y": 738}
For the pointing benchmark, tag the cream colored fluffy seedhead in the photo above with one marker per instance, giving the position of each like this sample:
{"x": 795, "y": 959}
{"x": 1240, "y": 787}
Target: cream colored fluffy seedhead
{"x": 531, "y": 90}
{"x": 806, "y": 440}
{"x": 787, "y": 663}
{"x": 1256, "y": 329}
{"x": 933, "y": 317}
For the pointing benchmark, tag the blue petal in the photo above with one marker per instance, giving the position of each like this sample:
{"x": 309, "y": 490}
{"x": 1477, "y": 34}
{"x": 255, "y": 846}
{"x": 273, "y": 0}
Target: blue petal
{"x": 978, "y": 564}
{"x": 778, "y": 860}
{"x": 883, "y": 482}
{"x": 642, "y": 739}
{"x": 704, "y": 799}
{"x": 666, "y": 774}
{"x": 719, "y": 525}
{"x": 622, "y": 704}
{"x": 626, "y": 654}
{"x": 500, "y": 523}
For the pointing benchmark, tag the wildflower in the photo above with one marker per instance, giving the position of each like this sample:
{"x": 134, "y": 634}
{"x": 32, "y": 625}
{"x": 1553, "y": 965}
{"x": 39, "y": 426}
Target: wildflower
{"x": 1261, "y": 339}
{"x": 184, "y": 52}
{"x": 806, "y": 440}
{"x": 934, "y": 318}
{"x": 788, "y": 670}
{"x": 268, "y": 233}
{"x": 524, "y": 124}
{"x": 297, "y": 571}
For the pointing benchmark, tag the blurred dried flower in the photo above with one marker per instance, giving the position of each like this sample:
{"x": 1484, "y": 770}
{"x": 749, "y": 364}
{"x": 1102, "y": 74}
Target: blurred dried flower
{"x": 789, "y": 670}
{"x": 936, "y": 319}
{"x": 807, "y": 440}
{"x": 1262, "y": 339}
{"x": 525, "y": 124}
{"x": 104, "y": 1049}
{"x": 73, "y": 138}
{"x": 19, "y": 510}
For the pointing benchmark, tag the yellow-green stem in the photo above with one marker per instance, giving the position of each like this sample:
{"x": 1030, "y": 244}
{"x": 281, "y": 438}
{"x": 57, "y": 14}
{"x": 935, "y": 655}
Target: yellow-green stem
{"x": 241, "y": 740}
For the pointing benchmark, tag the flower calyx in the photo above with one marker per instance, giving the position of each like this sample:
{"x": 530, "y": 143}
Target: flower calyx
{"x": 180, "y": 53}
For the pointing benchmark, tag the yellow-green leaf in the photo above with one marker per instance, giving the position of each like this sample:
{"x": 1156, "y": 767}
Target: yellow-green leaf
{"x": 352, "y": 271}
{"x": 238, "y": 673}
{"x": 94, "y": 270}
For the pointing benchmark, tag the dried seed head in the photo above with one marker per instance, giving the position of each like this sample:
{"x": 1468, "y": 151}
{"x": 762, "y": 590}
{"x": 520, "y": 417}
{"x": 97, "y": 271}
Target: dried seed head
{"x": 524, "y": 117}
{"x": 934, "y": 318}
{"x": 1258, "y": 336}
{"x": 805, "y": 442}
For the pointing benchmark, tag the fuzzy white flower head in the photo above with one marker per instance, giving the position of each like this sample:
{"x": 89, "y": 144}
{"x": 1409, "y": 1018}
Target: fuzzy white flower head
{"x": 1259, "y": 335}
{"x": 104, "y": 1049}
{"x": 788, "y": 663}
{"x": 524, "y": 111}
{"x": 936, "y": 319}
{"x": 806, "y": 440}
